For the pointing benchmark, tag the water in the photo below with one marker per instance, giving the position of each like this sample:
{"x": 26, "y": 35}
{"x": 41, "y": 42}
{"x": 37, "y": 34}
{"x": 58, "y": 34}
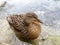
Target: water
{"x": 49, "y": 13}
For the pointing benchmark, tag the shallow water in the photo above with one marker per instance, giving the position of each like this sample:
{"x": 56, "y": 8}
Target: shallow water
{"x": 49, "y": 14}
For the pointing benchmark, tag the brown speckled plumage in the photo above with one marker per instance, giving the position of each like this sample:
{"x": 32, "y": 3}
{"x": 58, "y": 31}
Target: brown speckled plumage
{"x": 26, "y": 25}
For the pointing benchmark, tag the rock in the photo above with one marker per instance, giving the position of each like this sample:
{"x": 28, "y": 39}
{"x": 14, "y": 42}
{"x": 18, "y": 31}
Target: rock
{"x": 7, "y": 35}
{"x": 4, "y": 44}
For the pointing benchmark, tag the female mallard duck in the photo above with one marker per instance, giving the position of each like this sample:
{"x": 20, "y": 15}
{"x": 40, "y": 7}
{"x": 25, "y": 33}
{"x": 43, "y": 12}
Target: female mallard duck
{"x": 25, "y": 25}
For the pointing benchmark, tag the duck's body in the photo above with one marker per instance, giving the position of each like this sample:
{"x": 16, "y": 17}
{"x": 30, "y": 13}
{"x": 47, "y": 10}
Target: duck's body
{"x": 25, "y": 25}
